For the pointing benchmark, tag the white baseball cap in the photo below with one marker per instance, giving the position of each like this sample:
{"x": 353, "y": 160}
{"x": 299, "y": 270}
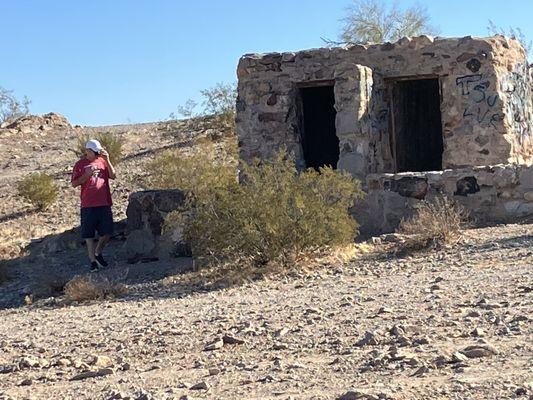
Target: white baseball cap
{"x": 94, "y": 145}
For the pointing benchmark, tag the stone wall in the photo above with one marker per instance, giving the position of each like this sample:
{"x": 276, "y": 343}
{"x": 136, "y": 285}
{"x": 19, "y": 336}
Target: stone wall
{"x": 492, "y": 194}
{"x": 146, "y": 214}
{"x": 483, "y": 121}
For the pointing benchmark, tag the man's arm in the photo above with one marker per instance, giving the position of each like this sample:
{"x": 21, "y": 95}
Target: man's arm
{"x": 105, "y": 155}
{"x": 83, "y": 178}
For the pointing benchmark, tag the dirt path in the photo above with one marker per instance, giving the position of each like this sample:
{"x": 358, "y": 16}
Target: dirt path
{"x": 392, "y": 328}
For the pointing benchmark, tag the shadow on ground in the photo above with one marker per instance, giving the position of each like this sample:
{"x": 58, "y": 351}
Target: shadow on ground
{"x": 54, "y": 260}
{"x": 50, "y": 262}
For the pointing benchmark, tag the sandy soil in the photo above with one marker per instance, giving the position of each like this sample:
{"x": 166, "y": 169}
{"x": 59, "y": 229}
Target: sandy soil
{"x": 449, "y": 324}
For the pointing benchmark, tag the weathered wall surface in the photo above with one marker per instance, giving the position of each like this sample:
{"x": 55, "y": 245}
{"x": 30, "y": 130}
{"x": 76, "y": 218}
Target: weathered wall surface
{"x": 475, "y": 103}
{"x": 515, "y": 90}
{"x": 492, "y": 194}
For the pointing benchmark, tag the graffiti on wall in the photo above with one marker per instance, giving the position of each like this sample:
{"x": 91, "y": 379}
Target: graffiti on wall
{"x": 517, "y": 88}
{"x": 480, "y": 99}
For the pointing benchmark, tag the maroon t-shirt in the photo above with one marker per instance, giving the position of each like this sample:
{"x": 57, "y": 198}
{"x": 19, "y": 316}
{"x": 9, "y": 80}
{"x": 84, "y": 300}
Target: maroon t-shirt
{"x": 95, "y": 191}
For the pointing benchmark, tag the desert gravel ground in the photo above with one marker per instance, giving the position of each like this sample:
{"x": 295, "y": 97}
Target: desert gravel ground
{"x": 446, "y": 324}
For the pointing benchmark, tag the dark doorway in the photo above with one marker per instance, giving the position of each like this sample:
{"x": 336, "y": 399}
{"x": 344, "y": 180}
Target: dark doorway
{"x": 319, "y": 139}
{"x": 417, "y": 125}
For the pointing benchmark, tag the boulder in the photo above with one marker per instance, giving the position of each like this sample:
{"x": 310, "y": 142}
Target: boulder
{"x": 146, "y": 215}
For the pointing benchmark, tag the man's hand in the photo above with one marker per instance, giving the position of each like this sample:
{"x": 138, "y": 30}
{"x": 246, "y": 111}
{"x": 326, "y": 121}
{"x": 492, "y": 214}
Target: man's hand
{"x": 89, "y": 170}
{"x": 105, "y": 155}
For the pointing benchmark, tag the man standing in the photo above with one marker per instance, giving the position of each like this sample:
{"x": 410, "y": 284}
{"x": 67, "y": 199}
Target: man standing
{"x": 92, "y": 173}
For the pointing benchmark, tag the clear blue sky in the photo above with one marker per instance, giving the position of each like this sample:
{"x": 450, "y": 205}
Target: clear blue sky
{"x": 113, "y": 61}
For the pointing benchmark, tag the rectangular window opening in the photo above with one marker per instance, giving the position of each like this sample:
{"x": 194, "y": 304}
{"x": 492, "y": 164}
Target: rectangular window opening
{"x": 319, "y": 138}
{"x": 417, "y": 125}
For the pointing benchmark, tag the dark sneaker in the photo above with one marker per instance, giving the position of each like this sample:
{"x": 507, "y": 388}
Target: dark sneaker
{"x": 100, "y": 260}
{"x": 93, "y": 267}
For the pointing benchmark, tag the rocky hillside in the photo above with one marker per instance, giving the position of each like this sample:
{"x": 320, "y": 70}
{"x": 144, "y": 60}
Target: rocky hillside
{"x": 46, "y": 144}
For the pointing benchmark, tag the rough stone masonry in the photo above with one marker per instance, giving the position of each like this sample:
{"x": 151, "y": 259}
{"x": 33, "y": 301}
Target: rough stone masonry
{"x": 484, "y": 101}
{"x": 391, "y": 113}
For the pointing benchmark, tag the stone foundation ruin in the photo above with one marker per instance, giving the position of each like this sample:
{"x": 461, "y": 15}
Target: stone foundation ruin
{"x": 417, "y": 105}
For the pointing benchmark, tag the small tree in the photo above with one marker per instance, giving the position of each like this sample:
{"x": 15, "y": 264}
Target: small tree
{"x": 10, "y": 107}
{"x": 371, "y": 21}
{"x": 218, "y": 102}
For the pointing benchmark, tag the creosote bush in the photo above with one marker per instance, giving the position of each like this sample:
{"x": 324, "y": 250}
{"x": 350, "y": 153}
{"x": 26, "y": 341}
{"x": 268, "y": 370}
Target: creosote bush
{"x": 109, "y": 141}
{"x": 39, "y": 189}
{"x": 88, "y": 287}
{"x": 274, "y": 213}
{"x": 437, "y": 222}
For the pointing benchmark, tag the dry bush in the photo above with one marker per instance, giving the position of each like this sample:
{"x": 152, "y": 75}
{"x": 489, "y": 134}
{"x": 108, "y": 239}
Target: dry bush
{"x": 39, "y": 189}
{"x": 435, "y": 223}
{"x": 111, "y": 142}
{"x": 94, "y": 287}
{"x": 273, "y": 214}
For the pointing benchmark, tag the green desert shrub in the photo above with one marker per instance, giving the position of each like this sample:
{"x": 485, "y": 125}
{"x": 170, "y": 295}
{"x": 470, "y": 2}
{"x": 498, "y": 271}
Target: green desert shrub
{"x": 275, "y": 212}
{"x": 111, "y": 142}
{"x": 39, "y": 189}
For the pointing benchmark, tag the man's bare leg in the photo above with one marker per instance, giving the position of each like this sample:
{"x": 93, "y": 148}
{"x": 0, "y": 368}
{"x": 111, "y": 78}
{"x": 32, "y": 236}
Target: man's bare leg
{"x": 90, "y": 249}
{"x": 102, "y": 242}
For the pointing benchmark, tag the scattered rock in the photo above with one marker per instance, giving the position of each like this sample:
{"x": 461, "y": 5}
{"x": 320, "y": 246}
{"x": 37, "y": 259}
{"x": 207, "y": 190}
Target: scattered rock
{"x": 421, "y": 371}
{"x": 478, "y": 332}
{"x": 63, "y": 362}
{"x": 357, "y": 395}
{"x": 29, "y": 362}
{"x": 217, "y": 344}
{"x": 459, "y": 357}
{"x": 370, "y": 338}
{"x": 230, "y": 339}
{"x": 473, "y": 314}
{"x": 92, "y": 374}
{"x": 281, "y": 332}
{"x": 479, "y": 350}
{"x": 101, "y": 361}
{"x": 200, "y": 386}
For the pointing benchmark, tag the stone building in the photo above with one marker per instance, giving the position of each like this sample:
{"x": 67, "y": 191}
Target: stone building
{"x": 420, "y": 104}
{"x": 415, "y": 119}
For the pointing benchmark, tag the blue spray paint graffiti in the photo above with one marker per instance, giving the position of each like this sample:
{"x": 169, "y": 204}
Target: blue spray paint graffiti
{"x": 476, "y": 90}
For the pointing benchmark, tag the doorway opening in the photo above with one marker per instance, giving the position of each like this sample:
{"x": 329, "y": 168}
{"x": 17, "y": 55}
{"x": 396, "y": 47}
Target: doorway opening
{"x": 417, "y": 125}
{"x": 319, "y": 138}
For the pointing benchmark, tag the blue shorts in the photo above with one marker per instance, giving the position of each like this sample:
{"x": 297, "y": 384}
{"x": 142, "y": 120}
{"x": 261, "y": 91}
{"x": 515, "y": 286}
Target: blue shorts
{"x": 96, "y": 219}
